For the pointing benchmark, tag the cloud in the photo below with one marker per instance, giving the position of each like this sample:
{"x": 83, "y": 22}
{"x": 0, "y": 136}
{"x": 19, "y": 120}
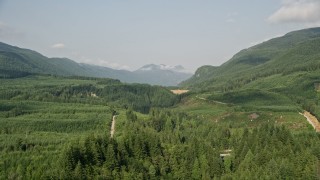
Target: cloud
{"x": 99, "y": 62}
{"x": 58, "y": 46}
{"x": 112, "y": 65}
{"x": 297, "y": 11}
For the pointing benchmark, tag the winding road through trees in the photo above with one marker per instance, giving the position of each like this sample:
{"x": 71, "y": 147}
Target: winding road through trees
{"x": 113, "y": 126}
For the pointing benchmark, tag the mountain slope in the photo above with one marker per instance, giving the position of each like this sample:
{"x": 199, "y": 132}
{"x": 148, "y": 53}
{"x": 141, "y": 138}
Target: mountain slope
{"x": 16, "y": 62}
{"x": 296, "y": 51}
{"x": 281, "y": 74}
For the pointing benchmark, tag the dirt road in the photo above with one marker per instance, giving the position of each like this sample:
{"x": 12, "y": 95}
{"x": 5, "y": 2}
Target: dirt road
{"x": 113, "y": 126}
{"x": 218, "y": 102}
{"x": 312, "y": 120}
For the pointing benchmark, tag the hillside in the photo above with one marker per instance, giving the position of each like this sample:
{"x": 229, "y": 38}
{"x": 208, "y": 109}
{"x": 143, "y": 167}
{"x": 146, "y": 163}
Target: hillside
{"x": 18, "y": 62}
{"x": 296, "y": 51}
{"x": 276, "y": 74}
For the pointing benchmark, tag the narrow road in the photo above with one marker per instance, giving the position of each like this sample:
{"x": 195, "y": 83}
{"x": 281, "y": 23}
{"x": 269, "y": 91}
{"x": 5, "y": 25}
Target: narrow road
{"x": 201, "y": 98}
{"x": 113, "y": 126}
{"x": 312, "y": 120}
{"x": 218, "y": 102}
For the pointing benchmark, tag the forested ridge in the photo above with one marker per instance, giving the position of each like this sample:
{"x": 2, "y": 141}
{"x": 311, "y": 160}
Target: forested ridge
{"x": 140, "y": 97}
{"x": 18, "y": 62}
{"x": 294, "y": 52}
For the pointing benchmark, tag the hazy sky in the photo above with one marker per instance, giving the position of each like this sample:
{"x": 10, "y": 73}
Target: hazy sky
{"x": 127, "y": 34}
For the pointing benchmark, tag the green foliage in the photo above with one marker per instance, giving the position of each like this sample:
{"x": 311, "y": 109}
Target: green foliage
{"x": 86, "y": 90}
{"x": 191, "y": 149}
{"x": 138, "y": 96}
{"x": 44, "y": 138}
{"x": 278, "y": 70}
{"x": 131, "y": 116}
{"x": 254, "y": 97}
{"x": 40, "y": 115}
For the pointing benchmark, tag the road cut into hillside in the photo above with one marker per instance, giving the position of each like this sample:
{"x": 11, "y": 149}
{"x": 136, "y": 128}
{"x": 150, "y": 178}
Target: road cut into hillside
{"x": 312, "y": 120}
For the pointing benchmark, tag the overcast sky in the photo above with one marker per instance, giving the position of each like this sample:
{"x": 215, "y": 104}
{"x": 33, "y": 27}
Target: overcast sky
{"x": 127, "y": 34}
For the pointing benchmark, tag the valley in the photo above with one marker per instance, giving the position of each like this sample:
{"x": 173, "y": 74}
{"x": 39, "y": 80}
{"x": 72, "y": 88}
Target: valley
{"x": 237, "y": 121}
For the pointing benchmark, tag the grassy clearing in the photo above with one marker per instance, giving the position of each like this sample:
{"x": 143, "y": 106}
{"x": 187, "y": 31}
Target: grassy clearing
{"x": 199, "y": 106}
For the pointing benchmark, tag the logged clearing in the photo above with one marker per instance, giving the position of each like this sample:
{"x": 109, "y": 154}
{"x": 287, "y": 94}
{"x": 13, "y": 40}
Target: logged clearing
{"x": 179, "y": 91}
{"x": 312, "y": 120}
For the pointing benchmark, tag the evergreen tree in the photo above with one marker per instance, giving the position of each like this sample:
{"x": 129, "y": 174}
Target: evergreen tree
{"x": 196, "y": 171}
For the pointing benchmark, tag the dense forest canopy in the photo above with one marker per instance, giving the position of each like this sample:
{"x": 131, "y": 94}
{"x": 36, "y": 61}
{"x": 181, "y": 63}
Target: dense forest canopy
{"x": 53, "y": 127}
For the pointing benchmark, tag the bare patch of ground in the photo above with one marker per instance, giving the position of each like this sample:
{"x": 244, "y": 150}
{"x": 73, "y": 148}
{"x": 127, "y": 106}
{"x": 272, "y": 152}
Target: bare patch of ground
{"x": 312, "y": 120}
{"x": 253, "y": 116}
{"x": 179, "y": 91}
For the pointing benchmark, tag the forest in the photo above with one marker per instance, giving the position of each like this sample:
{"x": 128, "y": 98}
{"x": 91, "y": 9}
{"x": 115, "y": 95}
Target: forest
{"x": 175, "y": 146}
{"x": 55, "y": 127}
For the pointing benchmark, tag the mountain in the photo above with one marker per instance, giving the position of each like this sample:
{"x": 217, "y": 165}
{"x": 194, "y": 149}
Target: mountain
{"x": 16, "y": 62}
{"x": 154, "y": 67}
{"x": 278, "y": 75}
{"x": 295, "y": 51}
{"x": 162, "y": 74}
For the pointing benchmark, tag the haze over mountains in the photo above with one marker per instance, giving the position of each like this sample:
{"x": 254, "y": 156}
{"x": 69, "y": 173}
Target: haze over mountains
{"x": 15, "y": 61}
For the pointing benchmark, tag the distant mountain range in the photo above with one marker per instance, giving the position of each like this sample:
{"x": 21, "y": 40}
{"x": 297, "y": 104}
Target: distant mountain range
{"x": 16, "y": 62}
{"x": 161, "y": 67}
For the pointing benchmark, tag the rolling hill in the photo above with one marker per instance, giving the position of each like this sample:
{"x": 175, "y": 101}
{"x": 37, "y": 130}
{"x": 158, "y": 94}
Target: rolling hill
{"x": 17, "y": 62}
